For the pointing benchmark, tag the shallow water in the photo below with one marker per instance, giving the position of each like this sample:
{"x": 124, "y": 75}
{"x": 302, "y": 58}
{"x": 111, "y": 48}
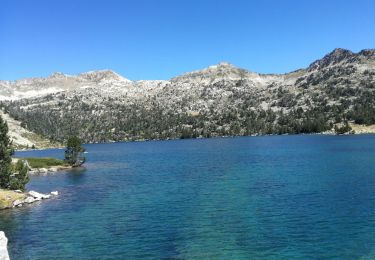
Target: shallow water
{"x": 275, "y": 197}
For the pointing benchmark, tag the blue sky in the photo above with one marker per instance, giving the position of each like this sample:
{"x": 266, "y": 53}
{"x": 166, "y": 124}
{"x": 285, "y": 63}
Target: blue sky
{"x": 148, "y": 39}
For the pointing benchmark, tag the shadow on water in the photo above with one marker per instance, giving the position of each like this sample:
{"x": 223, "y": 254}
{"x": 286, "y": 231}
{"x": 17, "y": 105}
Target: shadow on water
{"x": 76, "y": 174}
{"x": 78, "y": 170}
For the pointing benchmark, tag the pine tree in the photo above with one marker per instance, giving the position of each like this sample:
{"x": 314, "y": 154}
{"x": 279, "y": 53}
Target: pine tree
{"x": 6, "y": 152}
{"x": 73, "y": 152}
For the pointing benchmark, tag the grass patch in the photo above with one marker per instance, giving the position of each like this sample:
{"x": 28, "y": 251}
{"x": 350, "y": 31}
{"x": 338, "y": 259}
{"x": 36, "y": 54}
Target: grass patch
{"x": 44, "y": 162}
{"x": 7, "y": 197}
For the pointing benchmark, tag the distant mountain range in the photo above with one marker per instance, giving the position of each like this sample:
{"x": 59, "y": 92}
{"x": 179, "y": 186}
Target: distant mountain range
{"x": 334, "y": 93}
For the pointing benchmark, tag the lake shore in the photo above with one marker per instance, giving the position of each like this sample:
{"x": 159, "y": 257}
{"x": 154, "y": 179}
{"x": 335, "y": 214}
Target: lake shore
{"x": 42, "y": 166}
{"x": 357, "y": 130}
{"x": 52, "y": 169}
{"x": 11, "y": 199}
{"x": 37, "y": 166}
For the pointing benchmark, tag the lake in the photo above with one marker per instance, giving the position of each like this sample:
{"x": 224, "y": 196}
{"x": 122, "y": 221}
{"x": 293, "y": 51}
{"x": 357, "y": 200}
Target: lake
{"x": 273, "y": 197}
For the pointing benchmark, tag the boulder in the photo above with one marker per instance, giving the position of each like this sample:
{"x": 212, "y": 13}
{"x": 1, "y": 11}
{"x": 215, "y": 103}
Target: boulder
{"x": 29, "y": 200}
{"x": 18, "y": 203}
{"x": 38, "y": 195}
{"x": 43, "y": 170}
{"x": 3, "y": 246}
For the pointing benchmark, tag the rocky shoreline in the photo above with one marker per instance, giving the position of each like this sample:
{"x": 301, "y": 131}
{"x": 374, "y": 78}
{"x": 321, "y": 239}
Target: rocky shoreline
{"x": 11, "y": 199}
{"x": 33, "y": 196}
{"x": 45, "y": 171}
{"x": 42, "y": 170}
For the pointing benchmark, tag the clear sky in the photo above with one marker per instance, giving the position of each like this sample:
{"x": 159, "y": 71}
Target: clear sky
{"x": 149, "y": 39}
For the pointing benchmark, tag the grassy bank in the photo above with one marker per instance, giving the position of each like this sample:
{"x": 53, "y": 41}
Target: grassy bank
{"x": 7, "y": 197}
{"x": 45, "y": 162}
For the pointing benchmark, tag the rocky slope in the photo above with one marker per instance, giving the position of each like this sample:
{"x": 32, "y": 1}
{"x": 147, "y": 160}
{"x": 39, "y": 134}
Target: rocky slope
{"x": 23, "y": 138}
{"x": 337, "y": 90}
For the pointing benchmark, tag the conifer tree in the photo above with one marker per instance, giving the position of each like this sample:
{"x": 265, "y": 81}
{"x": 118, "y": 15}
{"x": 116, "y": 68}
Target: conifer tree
{"x": 6, "y": 152}
{"x": 73, "y": 152}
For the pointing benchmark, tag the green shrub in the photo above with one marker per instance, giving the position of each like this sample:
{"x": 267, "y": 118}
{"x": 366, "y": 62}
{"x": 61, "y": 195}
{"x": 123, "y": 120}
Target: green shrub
{"x": 20, "y": 176}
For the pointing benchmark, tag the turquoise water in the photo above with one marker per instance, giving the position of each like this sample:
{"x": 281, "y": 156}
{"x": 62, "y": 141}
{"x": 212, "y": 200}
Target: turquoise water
{"x": 276, "y": 197}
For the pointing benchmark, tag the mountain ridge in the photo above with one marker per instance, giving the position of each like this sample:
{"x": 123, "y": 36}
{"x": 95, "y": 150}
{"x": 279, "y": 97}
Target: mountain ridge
{"x": 364, "y": 52}
{"x": 107, "y": 76}
{"x": 219, "y": 100}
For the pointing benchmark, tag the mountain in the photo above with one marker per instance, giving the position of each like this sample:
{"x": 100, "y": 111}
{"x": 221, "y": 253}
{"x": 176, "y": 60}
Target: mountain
{"x": 332, "y": 94}
{"x": 58, "y": 82}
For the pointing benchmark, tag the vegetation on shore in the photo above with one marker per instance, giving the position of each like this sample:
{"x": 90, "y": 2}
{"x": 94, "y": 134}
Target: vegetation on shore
{"x": 45, "y": 162}
{"x": 13, "y": 177}
{"x": 74, "y": 152}
{"x": 343, "y": 129}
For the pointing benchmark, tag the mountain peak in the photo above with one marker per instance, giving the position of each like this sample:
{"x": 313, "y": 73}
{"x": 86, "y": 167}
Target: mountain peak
{"x": 58, "y": 75}
{"x": 334, "y": 57}
{"x": 224, "y": 64}
{"x": 340, "y": 51}
{"x": 339, "y": 54}
{"x": 222, "y": 70}
{"x": 100, "y": 75}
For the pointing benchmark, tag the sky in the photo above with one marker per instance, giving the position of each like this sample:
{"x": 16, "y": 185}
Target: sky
{"x": 148, "y": 39}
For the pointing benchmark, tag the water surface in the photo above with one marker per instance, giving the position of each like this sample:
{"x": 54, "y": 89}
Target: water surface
{"x": 276, "y": 197}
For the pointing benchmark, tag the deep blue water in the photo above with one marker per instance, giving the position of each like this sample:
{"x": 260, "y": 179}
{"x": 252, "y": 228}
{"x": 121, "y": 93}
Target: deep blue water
{"x": 275, "y": 197}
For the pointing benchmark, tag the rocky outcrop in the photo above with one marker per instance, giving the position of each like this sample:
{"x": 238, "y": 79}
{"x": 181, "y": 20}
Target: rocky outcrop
{"x": 336, "y": 56}
{"x": 3, "y": 246}
{"x": 33, "y": 196}
{"x": 38, "y": 195}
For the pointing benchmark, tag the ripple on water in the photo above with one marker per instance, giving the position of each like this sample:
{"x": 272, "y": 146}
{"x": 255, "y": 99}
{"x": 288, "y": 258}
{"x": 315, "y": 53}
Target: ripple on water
{"x": 288, "y": 197}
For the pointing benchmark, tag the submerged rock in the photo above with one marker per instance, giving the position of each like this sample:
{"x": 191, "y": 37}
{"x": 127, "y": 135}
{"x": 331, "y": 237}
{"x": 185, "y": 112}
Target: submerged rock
{"x": 3, "y": 246}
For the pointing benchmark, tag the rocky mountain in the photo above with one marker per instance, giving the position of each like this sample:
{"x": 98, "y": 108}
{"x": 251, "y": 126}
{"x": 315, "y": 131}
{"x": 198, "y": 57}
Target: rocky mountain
{"x": 334, "y": 93}
{"x": 58, "y": 82}
{"x": 23, "y": 138}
